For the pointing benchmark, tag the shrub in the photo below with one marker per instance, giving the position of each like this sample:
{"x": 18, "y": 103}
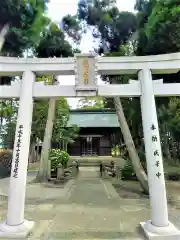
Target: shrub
{"x": 128, "y": 173}
{"x": 5, "y": 162}
{"x": 58, "y": 156}
{"x": 115, "y": 151}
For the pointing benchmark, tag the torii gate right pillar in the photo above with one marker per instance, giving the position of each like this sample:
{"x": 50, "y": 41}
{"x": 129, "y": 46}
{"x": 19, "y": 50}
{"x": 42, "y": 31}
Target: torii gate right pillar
{"x": 159, "y": 226}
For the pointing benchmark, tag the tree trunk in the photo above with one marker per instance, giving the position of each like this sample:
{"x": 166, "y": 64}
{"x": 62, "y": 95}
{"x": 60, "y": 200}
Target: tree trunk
{"x": 165, "y": 145}
{"x": 37, "y": 151}
{"x": 166, "y": 149}
{"x": 32, "y": 153}
{"x": 9, "y": 131}
{"x": 3, "y": 35}
{"x": 45, "y": 165}
{"x": 66, "y": 146}
{"x": 174, "y": 151}
{"x": 140, "y": 173}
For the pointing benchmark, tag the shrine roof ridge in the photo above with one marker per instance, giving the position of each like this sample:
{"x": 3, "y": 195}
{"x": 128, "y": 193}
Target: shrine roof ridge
{"x": 96, "y": 111}
{"x": 96, "y": 118}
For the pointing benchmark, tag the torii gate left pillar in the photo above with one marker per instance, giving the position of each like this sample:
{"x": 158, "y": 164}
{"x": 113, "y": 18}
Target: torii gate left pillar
{"x": 16, "y": 226}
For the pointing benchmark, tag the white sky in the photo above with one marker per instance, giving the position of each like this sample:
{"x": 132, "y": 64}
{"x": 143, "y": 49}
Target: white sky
{"x": 60, "y": 8}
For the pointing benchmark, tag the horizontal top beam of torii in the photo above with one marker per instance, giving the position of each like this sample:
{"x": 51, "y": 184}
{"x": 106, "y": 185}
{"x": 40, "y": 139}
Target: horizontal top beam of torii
{"x": 123, "y": 90}
{"x": 166, "y": 63}
{"x": 86, "y": 68}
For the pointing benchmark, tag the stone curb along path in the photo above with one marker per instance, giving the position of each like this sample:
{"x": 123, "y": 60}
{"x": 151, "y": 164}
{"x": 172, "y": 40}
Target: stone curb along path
{"x": 110, "y": 190}
{"x": 39, "y": 191}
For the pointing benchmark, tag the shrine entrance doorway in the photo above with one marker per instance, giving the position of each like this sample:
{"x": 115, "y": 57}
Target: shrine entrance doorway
{"x": 90, "y": 146}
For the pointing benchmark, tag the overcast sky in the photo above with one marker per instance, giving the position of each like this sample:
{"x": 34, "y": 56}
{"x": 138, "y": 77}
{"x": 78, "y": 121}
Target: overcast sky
{"x": 60, "y": 8}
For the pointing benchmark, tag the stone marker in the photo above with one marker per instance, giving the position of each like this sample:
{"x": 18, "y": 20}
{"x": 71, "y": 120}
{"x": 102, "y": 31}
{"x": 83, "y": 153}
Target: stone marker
{"x": 75, "y": 168}
{"x": 60, "y": 172}
{"x": 118, "y": 172}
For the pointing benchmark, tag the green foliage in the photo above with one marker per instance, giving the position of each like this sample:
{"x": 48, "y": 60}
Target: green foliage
{"x": 144, "y": 8}
{"x": 26, "y": 20}
{"x": 8, "y": 111}
{"x": 53, "y": 44}
{"x": 163, "y": 27}
{"x": 171, "y": 117}
{"x": 5, "y": 162}
{"x": 72, "y": 26}
{"x": 60, "y": 131}
{"x": 107, "y": 23}
{"x": 41, "y": 111}
{"x": 159, "y": 27}
{"x": 159, "y": 33}
{"x": 115, "y": 151}
{"x": 57, "y": 156}
{"x": 39, "y": 118}
{"x": 128, "y": 173}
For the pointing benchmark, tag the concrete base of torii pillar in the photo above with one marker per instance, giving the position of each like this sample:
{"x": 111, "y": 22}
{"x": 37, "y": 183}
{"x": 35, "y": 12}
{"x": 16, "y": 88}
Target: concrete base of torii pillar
{"x": 160, "y": 233}
{"x": 17, "y": 232}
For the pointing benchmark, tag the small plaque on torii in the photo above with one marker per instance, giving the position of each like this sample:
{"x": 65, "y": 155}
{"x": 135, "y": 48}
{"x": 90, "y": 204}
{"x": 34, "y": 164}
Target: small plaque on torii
{"x": 86, "y": 74}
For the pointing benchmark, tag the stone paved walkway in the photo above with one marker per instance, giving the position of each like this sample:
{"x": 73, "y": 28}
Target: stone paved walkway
{"x": 91, "y": 210}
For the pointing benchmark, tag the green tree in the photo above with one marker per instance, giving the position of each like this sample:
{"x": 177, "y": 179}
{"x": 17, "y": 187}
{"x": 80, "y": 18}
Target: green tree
{"x": 159, "y": 26}
{"x": 158, "y": 33}
{"x": 31, "y": 32}
{"x": 144, "y": 8}
{"x": 72, "y": 27}
{"x": 9, "y": 118}
{"x": 112, "y": 27}
{"x": 62, "y": 134}
{"x": 53, "y": 43}
{"x": 26, "y": 21}
{"x": 22, "y": 21}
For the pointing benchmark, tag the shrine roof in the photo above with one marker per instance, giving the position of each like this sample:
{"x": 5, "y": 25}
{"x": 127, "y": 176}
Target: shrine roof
{"x": 93, "y": 118}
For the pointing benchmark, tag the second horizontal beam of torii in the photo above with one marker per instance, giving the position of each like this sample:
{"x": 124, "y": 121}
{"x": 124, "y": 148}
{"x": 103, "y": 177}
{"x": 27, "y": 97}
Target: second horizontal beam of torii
{"x": 133, "y": 89}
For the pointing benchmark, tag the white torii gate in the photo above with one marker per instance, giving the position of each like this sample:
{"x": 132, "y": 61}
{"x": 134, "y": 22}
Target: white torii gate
{"x": 85, "y": 68}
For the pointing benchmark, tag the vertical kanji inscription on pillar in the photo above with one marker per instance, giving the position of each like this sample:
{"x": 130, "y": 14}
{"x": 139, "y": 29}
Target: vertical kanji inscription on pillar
{"x": 18, "y": 148}
{"x": 155, "y": 151}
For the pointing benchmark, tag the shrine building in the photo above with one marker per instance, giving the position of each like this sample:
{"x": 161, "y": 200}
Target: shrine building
{"x": 96, "y": 131}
